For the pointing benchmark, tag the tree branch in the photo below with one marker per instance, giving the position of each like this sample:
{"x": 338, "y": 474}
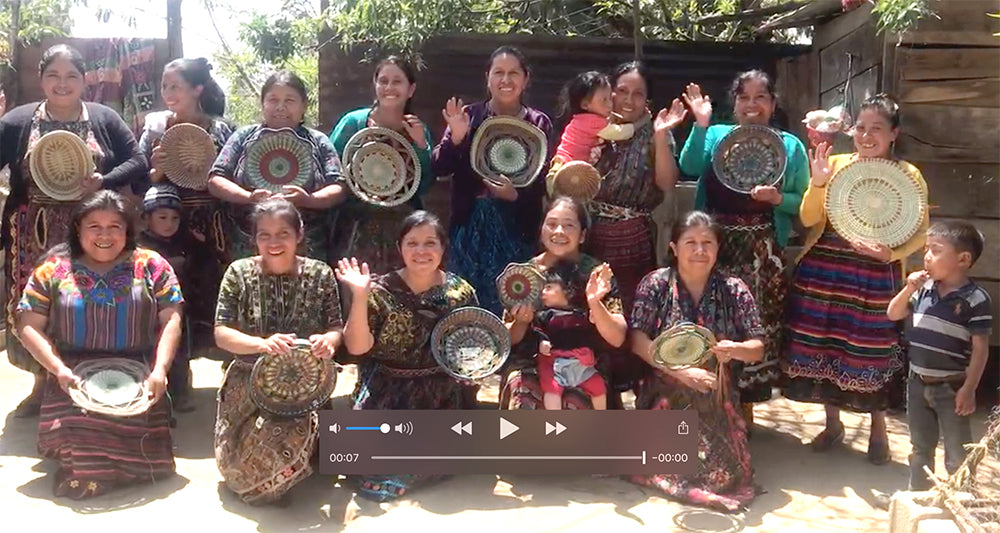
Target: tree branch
{"x": 753, "y": 14}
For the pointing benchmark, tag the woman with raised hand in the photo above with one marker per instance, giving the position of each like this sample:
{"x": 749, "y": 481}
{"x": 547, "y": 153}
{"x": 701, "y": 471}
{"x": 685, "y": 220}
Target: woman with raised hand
{"x": 842, "y": 350}
{"x": 492, "y": 224}
{"x": 389, "y": 327}
{"x": 756, "y": 226}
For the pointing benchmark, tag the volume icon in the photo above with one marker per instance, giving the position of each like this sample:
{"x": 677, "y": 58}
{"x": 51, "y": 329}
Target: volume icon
{"x": 335, "y": 428}
{"x": 405, "y": 428}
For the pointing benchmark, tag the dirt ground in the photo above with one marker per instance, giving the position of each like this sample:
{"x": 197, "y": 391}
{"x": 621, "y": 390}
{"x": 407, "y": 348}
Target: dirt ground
{"x": 806, "y": 492}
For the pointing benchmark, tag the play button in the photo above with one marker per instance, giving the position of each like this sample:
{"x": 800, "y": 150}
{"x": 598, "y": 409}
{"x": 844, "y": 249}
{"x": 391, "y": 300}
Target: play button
{"x": 558, "y": 428}
{"x": 506, "y": 428}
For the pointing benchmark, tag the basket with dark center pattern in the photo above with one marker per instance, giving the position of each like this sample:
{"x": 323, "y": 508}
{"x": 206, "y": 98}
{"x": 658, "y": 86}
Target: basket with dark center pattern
{"x": 278, "y": 158}
{"x": 520, "y": 284}
{"x": 470, "y": 343}
{"x": 381, "y": 167}
{"x": 111, "y": 386}
{"x": 683, "y": 345}
{"x": 750, "y": 156}
{"x": 294, "y": 383}
{"x": 509, "y": 147}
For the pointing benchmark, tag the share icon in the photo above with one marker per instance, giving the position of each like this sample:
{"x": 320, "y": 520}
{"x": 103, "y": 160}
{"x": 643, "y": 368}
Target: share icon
{"x": 558, "y": 428}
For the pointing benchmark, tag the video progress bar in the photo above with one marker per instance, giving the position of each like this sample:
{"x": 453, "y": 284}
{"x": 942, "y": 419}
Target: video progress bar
{"x": 511, "y": 457}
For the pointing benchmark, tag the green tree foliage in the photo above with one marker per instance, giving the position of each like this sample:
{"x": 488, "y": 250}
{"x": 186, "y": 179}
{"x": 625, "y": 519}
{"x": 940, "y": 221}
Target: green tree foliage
{"x": 39, "y": 19}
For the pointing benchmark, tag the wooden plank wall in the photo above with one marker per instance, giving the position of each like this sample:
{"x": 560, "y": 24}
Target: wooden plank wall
{"x": 455, "y": 65}
{"x": 946, "y": 74}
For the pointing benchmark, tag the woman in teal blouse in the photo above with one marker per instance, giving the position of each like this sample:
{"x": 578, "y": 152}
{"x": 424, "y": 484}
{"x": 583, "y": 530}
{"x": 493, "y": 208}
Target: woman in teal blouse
{"x": 365, "y": 231}
{"x": 757, "y": 225}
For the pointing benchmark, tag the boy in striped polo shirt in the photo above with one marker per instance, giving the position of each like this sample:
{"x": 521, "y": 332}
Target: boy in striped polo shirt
{"x": 948, "y": 345}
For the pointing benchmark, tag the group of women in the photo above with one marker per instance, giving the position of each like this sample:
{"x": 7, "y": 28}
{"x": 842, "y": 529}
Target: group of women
{"x": 379, "y": 278}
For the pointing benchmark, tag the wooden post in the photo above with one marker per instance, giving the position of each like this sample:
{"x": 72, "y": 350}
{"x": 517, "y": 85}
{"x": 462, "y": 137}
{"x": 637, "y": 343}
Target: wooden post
{"x": 11, "y": 85}
{"x": 175, "y": 41}
{"x": 637, "y": 29}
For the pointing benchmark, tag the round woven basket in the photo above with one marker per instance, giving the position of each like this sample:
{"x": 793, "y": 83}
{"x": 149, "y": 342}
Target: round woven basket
{"x": 292, "y": 384}
{"x": 188, "y": 155}
{"x": 876, "y": 200}
{"x": 111, "y": 386}
{"x": 511, "y": 147}
{"x": 470, "y": 343}
{"x": 683, "y": 345}
{"x": 750, "y": 156}
{"x": 520, "y": 284}
{"x": 577, "y": 179}
{"x": 278, "y": 158}
{"x": 381, "y": 167}
{"x": 59, "y": 162}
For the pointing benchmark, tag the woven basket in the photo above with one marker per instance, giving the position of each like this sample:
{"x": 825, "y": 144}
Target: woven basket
{"x": 188, "y": 155}
{"x": 510, "y": 147}
{"x": 577, "y": 179}
{"x": 683, "y": 345}
{"x": 111, "y": 386}
{"x": 292, "y": 384}
{"x": 278, "y": 158}
{"x": 381, "y": 167}
{"x": 750, "y": 156}
{"x": 59, "y": 162}
{"x": 876, "y": 200}
{"x": 470, "y": 343}
{"x": 520, "y": 284}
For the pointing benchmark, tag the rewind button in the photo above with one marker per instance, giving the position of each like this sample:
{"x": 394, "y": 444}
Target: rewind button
{"x": 460, "y": 428}
{"x": 558, "y": 428}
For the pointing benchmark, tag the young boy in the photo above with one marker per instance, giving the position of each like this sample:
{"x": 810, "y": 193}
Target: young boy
{"x": 566, "y": 358}
{"x": 948, "y": 345}
{"x": 161, "y": 207}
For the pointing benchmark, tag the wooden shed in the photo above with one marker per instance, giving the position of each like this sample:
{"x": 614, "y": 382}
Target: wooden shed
{"x": 946, "y": 76}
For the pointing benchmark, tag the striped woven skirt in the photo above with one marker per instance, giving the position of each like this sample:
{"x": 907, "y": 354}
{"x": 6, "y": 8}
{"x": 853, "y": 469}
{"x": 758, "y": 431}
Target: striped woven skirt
{"x": 750, "y": 252}
{"x": 97, "y": 453}
{"x": 627, "y": 246}
{"x": 842, "y": 349}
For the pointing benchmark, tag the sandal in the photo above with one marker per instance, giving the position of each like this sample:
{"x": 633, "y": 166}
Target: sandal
{"x": 878, "y": 452}
{"x": 825, "y": 440}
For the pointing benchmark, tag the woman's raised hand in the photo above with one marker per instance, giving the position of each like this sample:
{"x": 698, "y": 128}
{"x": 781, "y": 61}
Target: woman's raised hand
{"x": 701, "y": 105}
{"x": 599, "y": 284}
{"x": 278, "y": 343}
{"x": 357, "y": 277}
{"x": 820, "y": 169}
{"x": 457, "y": 119}
{"x": 668, "y": 119}
{"x": 415, "y": 130}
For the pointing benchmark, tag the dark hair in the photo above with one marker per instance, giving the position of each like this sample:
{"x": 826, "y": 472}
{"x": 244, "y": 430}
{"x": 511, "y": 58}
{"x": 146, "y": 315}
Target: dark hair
{"x": 580, "y": 89}
{"x": 582, "y": 215}
{"x": 512, "y": 51}
{"x": 962, "y": 235}
{"x": 198, "y": 73}
{"x": 638, "y": 67}
{"x": 408, "y": 71}
{"x": 694, "y": 219}
{"x": 103, "y": 200}
{"x": 288, "y": 79}
{"x": 885, "y": 105}
{"x": 563, "y": 273}
{"x": 63, "y": 51}
{"x": 422, "y": 218}
{"x": 278, "y": 208}
{"x": 752, "y": 75}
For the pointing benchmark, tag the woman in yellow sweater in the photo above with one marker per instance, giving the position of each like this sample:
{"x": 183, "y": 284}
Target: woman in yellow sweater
{"x": 842, "y": 349}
